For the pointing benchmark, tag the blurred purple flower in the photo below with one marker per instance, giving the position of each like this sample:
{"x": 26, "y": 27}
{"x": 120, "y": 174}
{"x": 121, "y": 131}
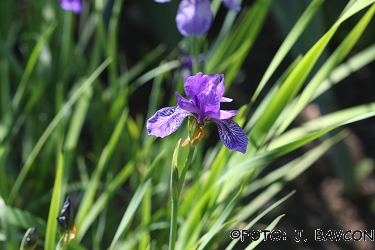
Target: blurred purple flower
{"x": 73, "y": 5}
{"x": 194, "y": 17}
{"x": 187, "y": 64}
{"x": 205, "y": 93}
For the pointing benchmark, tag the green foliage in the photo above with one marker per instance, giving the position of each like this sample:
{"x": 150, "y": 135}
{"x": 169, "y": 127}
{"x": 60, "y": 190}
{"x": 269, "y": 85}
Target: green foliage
{"x": 67, "y": 128}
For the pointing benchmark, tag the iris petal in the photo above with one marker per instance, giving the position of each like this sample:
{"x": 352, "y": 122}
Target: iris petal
{"x": 193, "y": 86}
{"x": 208, "y": 103}
{"x": 198, "y": 83}
{"x": 221, "y": 86}
{"x": 225, "y": 99}
{"x": 232, "y": 5}
{"x": 166, "y": 121}
{"x": 224, "y": 114}
{"x": 73, "y": 5}
{"x": 186, "y": 105}
{"x": 232, "y": 135}
{"x": 194, "y": 17}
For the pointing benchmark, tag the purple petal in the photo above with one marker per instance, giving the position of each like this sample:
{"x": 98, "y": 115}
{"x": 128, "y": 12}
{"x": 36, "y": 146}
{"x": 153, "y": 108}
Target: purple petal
{"x": 232, "y": 135}
{"x": 194, "y": 85}
{"x": 224, "y": 114}
{"x": 74, "y": 5}
{"x": 232, "y": 5}
{"x": 186, "y": 105}
{"x": 208, "y": 103}
{"x": 185, "y": 73}
{"x": 188, "y": 61}
{"x": 225, "y": 99}
{"x": 166, "y": 121}
{"x": 221, "y": 86}
{"x": 194, "y": 17}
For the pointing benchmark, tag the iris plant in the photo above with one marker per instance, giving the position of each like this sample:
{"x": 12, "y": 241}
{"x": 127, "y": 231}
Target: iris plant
{"x": 194, "y": 17}
{"x": 73, "y": 5}
{"x": 205, "y": 93}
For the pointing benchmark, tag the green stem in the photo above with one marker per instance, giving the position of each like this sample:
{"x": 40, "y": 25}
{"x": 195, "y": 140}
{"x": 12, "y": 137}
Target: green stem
{"x": 184, "y": 170}
{"x": 176, "y": 186}
{"x": 173, "y": 231}
{"x": 195, "y": 52}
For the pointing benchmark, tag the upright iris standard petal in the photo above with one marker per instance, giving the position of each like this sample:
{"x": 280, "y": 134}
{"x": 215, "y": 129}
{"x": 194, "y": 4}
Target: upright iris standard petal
{"x": 194, "y": 17}
{"x": 232, "y": 135}
{"x": 73, "y": 5}
{"x": 194, "y": 85}
{"x": 166, "y": 121}
{"x": 232, "y": 5}
{"x": 208, "y": 102}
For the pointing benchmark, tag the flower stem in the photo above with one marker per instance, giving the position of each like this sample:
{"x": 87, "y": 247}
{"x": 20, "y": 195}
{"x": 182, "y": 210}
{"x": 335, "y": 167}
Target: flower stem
{"x": 173, "y": 230}
{"x": 184, "y": 170}
{"x": 195, "y": 52}
{"x": 176, "y": 186}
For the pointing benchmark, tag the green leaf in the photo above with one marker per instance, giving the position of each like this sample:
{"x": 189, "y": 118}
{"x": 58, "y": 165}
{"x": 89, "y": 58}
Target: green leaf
{"x": 221, "y": 220}
{"x": 330, "y": 122}
{"x": 104, "y": 198}
{"x": 260, "y": 216}
{"x": 4, "y": 221}
{"x": 50, "y": 241}
{"x": 269, "y": 228}
{"x": 287, "y": 92}
{"x": 337, "y": 56}
{"x": 353, "y": 64}
{"x": 135, "y": 201}
{"x": 25, "y": 219}
{"x": 287, "y": 44}
{"x": 38, "y": 146}
{"x": 108, "y": 150}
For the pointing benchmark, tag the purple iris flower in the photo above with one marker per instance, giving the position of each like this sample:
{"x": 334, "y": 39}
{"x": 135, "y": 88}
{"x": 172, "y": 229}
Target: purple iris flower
{"x": 73, "y": 5}
{"x": 194, "y": 17}
{"x": 187, "y": 64}
{"x": 205, "y": 93}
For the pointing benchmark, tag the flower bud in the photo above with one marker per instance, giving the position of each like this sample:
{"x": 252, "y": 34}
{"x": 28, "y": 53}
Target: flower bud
{"x": 66, "y": 221}
{"x": 30, "y": 239}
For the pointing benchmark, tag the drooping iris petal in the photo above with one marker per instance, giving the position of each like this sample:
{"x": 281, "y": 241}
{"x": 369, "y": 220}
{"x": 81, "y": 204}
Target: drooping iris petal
{"x": 166, "y": 121}
{"x": 73, "y": 5}
{"x": 194, "y": 17}
{"x": 232, "y": 5}
{"x": 186, "y": 105}
{"x": 232, "y": 135}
